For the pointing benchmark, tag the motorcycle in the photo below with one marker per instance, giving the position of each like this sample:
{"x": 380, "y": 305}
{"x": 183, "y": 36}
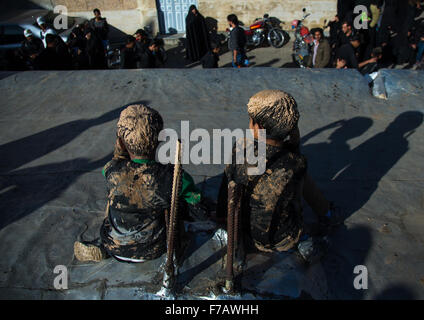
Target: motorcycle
{"x": 262, "y": 29}
{"x": 303, "y": 41}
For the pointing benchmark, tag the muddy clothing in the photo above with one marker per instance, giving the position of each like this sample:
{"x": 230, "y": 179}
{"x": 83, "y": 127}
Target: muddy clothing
{"x": 271, "y": 205}
{"x": 139, "y": 194}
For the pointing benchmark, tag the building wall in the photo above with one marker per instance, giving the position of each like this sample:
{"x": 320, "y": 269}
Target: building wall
{"x": 129, "y": 15}
{"x": 125, "y": 15}
{"x": 285, "y": 10}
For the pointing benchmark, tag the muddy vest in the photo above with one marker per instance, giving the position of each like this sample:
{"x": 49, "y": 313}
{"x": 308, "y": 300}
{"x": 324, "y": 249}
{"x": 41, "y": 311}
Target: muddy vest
{"x": 138, "y": 195}
{"x": 271, "y": 207}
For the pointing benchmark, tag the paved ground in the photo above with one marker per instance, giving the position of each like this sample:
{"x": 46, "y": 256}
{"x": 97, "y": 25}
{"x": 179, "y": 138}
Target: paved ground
{"x": 57, "y": 131}
{"x": 265, "y": 56}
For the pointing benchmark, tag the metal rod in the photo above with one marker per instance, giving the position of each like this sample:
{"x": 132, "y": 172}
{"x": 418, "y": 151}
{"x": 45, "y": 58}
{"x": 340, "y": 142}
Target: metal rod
{"x": 172, "y": 224}
{"x": 230, "y": 233}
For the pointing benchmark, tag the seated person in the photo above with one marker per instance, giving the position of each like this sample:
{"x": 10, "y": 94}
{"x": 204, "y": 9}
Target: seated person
{"x": 51, "y": 58}
{"x": 211, "y": 58}
{"x": 347, "y": 52}
{"x": 152, "y": 56}
{"x": 372, "y": 65}
{"x": 139, "y": 193}
{"x": 271, "y": 206}
{"x": 30, "y": 48}
{"x": 129, "y": 54}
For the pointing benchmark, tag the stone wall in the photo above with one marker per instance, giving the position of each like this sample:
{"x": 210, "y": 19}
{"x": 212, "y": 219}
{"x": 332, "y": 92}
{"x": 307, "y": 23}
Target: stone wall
{"x": 284, "y": 10}
{"x": 129, "y": 15}
{"x": 125, "y": 15}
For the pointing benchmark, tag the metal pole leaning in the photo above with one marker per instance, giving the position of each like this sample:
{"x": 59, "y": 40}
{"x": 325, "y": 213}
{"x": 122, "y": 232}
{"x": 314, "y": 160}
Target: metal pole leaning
{"x": 169, "y": 274}
{"x": 229, "y": 281}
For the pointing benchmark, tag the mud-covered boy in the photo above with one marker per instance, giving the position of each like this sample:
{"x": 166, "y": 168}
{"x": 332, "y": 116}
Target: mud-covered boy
{"x": 139, "y": 193}
{"x": 271, "y": 205}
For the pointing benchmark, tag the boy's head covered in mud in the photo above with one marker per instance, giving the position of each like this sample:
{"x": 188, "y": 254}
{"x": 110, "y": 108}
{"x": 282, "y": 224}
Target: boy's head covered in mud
{"x": 275, "y": 111}
{"x": 138, "y": 130}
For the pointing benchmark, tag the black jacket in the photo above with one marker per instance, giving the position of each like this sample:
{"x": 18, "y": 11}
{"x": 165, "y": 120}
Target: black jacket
{"x": 210, "y": 60}
{"x": 147, "y": 60}
{"x": 28, "y": 48}
{"x": 49, "y": 59}
{"x": 237, "y": 39}
{"x": 347, "y": 52}
{"x": 100, "y": 27}
{"x": 129, "y": 58}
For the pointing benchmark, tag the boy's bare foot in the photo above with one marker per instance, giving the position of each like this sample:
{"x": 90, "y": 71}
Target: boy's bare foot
{"x": 88, "y": 252}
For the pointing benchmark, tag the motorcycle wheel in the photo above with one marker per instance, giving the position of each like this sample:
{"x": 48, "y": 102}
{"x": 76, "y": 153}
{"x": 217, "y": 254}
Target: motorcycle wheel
{"x": 276, "y": 38}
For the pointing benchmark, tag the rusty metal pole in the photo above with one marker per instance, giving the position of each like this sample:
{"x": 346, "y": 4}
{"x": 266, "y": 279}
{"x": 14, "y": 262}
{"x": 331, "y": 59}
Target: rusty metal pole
{"x": 168, "y": 281}
{"x": 237, "y": 209}
{"x": 229, "y": 282}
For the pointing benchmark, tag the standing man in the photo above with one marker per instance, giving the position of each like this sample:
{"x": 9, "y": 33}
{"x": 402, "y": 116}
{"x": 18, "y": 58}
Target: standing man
{"x": 237, "y": 42}
{"x": 100, "y": 27}
{"x": 44, "y": 30}
{"x": 321, "y": 50}
{"x": 346, "y": 35}
{"x": 94, "y": 50}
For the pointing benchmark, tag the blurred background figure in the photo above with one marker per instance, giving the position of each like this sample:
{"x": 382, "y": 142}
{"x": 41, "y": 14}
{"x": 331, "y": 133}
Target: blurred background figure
{"x": 94, "y": 50}
{"x": 30, "y": 48}
{"x": 197, "y": 44}
{"x": 44, "y": 30}
{"x": 321, "y": 51}
{"x": 49, "y": 58}
{"x": 211, "y": 58}
{"x": 151, "y": 57}
{"x": 129, "y": 54}
{"x": 100, "y": 27}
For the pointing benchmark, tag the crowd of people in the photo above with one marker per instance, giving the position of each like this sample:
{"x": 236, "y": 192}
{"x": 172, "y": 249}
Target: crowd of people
{"x": 393, "y": 36}
{"x": 86, "y": 48}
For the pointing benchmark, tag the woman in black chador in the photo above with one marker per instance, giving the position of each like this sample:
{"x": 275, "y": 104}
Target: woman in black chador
{"x": 197, "y": 35}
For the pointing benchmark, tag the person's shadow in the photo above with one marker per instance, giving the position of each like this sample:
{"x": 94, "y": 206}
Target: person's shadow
{"x": 22, "y": 151}
{"x": 354, "y": 175}
{"x": 364, "y": 166}
{"x": 25, "y": 190}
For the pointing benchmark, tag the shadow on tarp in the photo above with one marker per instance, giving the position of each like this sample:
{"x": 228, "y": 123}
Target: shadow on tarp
{"x": 396, "y": 292}
{"x": 27, "y": 190}
{"x": 365, "y": 165}
{"x": 361, "y": 169}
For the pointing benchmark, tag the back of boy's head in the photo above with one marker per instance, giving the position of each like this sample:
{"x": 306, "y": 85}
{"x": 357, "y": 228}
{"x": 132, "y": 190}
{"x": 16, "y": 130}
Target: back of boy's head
{"x": 274, "y": 110}
{"x": 139, "y": 127}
